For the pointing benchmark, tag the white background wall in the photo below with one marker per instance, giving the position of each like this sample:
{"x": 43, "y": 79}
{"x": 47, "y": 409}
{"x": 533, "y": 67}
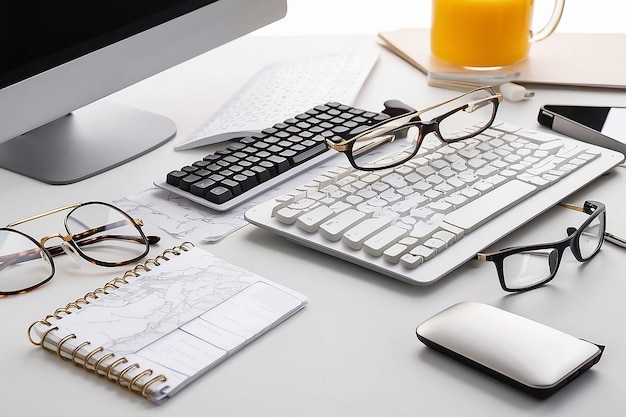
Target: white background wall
{"x": 314, "y": 17}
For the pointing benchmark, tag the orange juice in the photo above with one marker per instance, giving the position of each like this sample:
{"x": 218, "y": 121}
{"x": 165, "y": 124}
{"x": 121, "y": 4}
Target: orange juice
{"x": 481, "y": 33}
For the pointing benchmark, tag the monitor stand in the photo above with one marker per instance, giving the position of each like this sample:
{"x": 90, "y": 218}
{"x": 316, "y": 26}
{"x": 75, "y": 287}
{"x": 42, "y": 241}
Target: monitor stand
{"x": 89, "y": 141}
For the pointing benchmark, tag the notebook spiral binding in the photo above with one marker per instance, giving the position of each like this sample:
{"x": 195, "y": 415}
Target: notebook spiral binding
{"x": 95, "y": 359}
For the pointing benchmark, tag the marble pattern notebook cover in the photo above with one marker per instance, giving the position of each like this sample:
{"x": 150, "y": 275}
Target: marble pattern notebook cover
{"x": 166, "y": 322}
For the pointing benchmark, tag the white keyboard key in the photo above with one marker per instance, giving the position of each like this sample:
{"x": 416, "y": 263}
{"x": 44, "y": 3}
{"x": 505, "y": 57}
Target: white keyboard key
{"x": 287, "y": 215}
{"x": 333, "y": 228}
{"x": 447, "y": 237}
{"x": 536, "y": 136}
{"x": 394, "y": 253}
{"x": 435, "y": 244}
{"x": 376, "y": 244}
{"x": 310, "y": 221}
{"x": 441, "y": 206}
{"x": 411, "y": 261}
{"x": 457, "y": 200}
{"x": 358, "y": 234}
{"x": 505, "y": 127}
{"x": 483, "y": 186}
{"x": 456, "y": 231}
{"x": 423, "y": 230}
{"x": 339, "y": 206}
{"x": 497, "y": 180}
{"x": 481, "y": 210}
{"x": 470, "y": 193}
{"x": 571, "y": 151}
{"x": 424, "y": 252}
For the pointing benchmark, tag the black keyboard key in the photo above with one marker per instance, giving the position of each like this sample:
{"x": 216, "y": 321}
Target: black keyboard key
{"x": 269, "y": 166}
{"x": 280, "y": 163}
{"x": 174, "y": 177}
{"x": 219, "y": 195}
{"x": 262, "y": 174}
{"x": 185, "y": 183}
{"x": 246, "y": 181}
{"x": 232, "y": 185}
{"x": 201, "y": 188}
{"x": 309, "y": 153}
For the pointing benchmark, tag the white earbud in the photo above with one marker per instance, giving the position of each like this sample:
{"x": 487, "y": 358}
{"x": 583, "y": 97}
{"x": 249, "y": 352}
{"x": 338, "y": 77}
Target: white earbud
{"x": 515, "y": 92}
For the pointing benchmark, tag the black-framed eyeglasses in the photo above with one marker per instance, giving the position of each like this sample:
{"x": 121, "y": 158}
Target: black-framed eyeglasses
{"x": 524, "y": 268}
{"x": 97, "y": 232}
{"x": 397, "y": 139}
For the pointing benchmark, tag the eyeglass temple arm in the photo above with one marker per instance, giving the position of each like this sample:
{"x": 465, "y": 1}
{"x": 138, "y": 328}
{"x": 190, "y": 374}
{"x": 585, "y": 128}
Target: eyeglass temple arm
{"x": 16, "y": 258}
{"x": 481, "y": 257}
{"x": 57, "y": 250}
{"x": 485, "y": 256}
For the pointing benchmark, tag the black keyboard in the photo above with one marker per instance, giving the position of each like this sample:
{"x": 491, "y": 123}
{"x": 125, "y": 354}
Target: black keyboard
{"x": 246, "y": 167}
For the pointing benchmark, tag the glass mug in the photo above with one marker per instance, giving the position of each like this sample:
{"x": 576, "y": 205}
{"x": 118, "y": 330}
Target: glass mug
{"x": 486, "y": 33}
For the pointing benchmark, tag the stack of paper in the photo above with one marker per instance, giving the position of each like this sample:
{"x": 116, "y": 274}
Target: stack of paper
{"x": 571, "y": 59}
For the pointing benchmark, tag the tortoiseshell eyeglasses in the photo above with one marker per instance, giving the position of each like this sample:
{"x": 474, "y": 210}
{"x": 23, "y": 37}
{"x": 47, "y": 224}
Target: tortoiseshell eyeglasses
{"x": 97, "y": 232}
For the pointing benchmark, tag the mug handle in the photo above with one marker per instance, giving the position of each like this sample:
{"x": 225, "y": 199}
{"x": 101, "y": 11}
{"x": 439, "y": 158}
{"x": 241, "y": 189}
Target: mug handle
{"x": 549, "y": 28}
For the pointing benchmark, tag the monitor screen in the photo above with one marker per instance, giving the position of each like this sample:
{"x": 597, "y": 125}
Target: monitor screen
{"x": 59, "y": 57}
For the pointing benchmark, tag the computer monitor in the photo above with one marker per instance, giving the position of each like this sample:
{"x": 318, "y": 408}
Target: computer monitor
{"x": 59, "y": 58}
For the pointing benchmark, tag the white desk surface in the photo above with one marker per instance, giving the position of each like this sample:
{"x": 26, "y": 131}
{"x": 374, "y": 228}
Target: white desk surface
{"x": 352, "y": 351}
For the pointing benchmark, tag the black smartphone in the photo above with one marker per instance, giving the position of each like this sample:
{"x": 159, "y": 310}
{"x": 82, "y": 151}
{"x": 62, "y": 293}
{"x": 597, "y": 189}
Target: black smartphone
{"x": 602, "y": 126}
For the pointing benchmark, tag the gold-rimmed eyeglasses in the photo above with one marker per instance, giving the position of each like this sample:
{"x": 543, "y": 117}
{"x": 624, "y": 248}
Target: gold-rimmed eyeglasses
{"x": 97, "y": 232}
{"x": 396, "y": 140}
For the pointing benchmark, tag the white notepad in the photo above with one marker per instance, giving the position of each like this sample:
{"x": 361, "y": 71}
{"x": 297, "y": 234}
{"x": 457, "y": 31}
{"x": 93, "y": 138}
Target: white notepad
{"x": 569, "y": 59}
{"x": 160, "y": 330}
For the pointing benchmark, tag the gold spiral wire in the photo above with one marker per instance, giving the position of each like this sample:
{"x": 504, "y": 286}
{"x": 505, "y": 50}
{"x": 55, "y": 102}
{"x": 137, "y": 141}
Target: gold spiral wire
{"x": 99, "y": 368}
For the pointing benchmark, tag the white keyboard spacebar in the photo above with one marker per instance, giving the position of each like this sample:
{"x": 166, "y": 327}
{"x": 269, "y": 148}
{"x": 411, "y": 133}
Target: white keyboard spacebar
{"x": 488, "y": 206}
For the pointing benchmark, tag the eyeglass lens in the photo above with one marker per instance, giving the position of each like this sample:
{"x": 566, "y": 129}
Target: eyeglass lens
{"x": 531, "y": 267}
{"x": 460, "y": 118}
{"x": 591, "y": 238}
{"x": 23, "y": 264}
{"x": 464, "y": 116}
{"x": 105, "y": 234}
{"x": 385, "y": 150}
{"x": 525, "y": 269}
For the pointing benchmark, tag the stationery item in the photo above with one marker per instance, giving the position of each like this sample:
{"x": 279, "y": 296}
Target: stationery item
{"x": 554, "y": 61}
{"x": 166, "y": 322}
{"x": 478, "y": 33}
{"x": 523, "y": 353}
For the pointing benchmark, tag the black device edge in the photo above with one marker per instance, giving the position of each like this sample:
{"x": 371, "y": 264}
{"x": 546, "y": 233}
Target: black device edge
{"x": 540, "y": 393}
{"x": 557, "y": 122}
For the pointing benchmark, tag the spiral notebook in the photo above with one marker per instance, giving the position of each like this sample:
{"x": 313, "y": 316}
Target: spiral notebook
{"x": 166, "y": 322}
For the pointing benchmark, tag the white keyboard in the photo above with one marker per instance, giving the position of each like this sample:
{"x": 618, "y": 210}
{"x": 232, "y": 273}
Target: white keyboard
{"x": 282, "y": 90}
{"x": 421, "y": 220}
